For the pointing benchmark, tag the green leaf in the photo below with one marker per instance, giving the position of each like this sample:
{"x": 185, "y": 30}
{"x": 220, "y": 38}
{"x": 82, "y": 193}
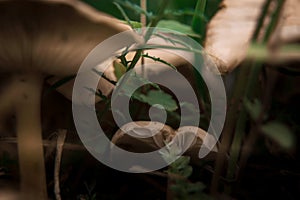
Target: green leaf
{"x": 177, "y": 26}
{"x": 198, "y": 24}
{"x": 122, "y": 11}
{"x": 134, "y": 7}
{"x": 132, "y": 82}
{"x": 186, "y": 12}
{"x": 280, "y": 133}
{"x": 132, "y": 24}
{"x": 187, "y": 171}
{"x": 181, "y": 163}
{"x": 119, "y": 69}
{"x": 253, "y": 108}
{"x": 154, "y": 97}
{"x": 167, "y": 38}
{"x": 136, "y": 24}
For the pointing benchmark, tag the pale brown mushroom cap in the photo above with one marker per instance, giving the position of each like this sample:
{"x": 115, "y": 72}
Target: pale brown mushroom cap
{"x": 231, "y": 29}
{"x": 289, "y": 25}
{"x": 40, "y": 37}
{"x": 51, "y": 36}
{"x": 155, "y": 140}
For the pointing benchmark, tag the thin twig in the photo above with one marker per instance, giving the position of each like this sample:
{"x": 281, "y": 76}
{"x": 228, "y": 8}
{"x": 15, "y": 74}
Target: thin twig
{"x": 229, "y": 127}
{"x": 144, "y": 24}
{"x": 143, "y": 17}
{"x": 46, "y": 143}
{"x": 255, "y": 130}
{"x": 59, "y": 148}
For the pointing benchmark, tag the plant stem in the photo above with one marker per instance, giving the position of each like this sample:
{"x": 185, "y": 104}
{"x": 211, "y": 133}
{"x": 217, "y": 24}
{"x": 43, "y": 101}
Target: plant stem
{"x": 59, "y": 149}
{"x": 241, "y": 124}
{"x": 154, "y": 22}
{"x": 274, "y": 20}
{"x": 252, "y": 83}
{"x": 231, "y": 118}
{"x": 261, "y": 20}
{"x": 254, "y": 132}
{"x": 198, "y": 24}
{"x": 144, "y": 24}
{"x": 139, "y": 52}
{"x": 143, "y": 18}
{"x": 149, "y": 32}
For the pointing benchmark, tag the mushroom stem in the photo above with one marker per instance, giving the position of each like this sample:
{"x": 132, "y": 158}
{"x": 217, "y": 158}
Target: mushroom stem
{"x": 29, "y": 132}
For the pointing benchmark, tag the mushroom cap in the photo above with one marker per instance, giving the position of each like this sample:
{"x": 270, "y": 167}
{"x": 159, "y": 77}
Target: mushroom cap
{"x": 230, "y": 31}
{"x": 289, "y": 27}
{"x": 51, "y": 36}
{"x": 155, "y": 135}
{"x": 55, "y": 36}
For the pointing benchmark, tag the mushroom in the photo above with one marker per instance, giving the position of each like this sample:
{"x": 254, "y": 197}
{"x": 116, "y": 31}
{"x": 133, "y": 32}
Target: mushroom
{"x": 288, "y": 30}
{"x": 230, "y": 31}
{"x": 152, "y": 136}
{"x": 40, "y": 38}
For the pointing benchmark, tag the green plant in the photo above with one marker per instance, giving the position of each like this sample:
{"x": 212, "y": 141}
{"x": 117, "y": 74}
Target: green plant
{"x": 250, "y": 116}
{"x": 180, "y": 187}
{"x": 164, "y": 17}
{"x": 153, "y": 94}
{"x": 247, "y": 118}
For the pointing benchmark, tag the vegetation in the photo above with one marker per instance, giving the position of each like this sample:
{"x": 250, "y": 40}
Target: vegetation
{"x": 258, "y": 153}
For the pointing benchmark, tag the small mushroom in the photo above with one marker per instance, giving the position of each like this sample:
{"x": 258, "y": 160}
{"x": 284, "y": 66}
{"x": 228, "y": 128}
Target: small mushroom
{"x": 40, "y": 38}
{"x": 146, "y": 136}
